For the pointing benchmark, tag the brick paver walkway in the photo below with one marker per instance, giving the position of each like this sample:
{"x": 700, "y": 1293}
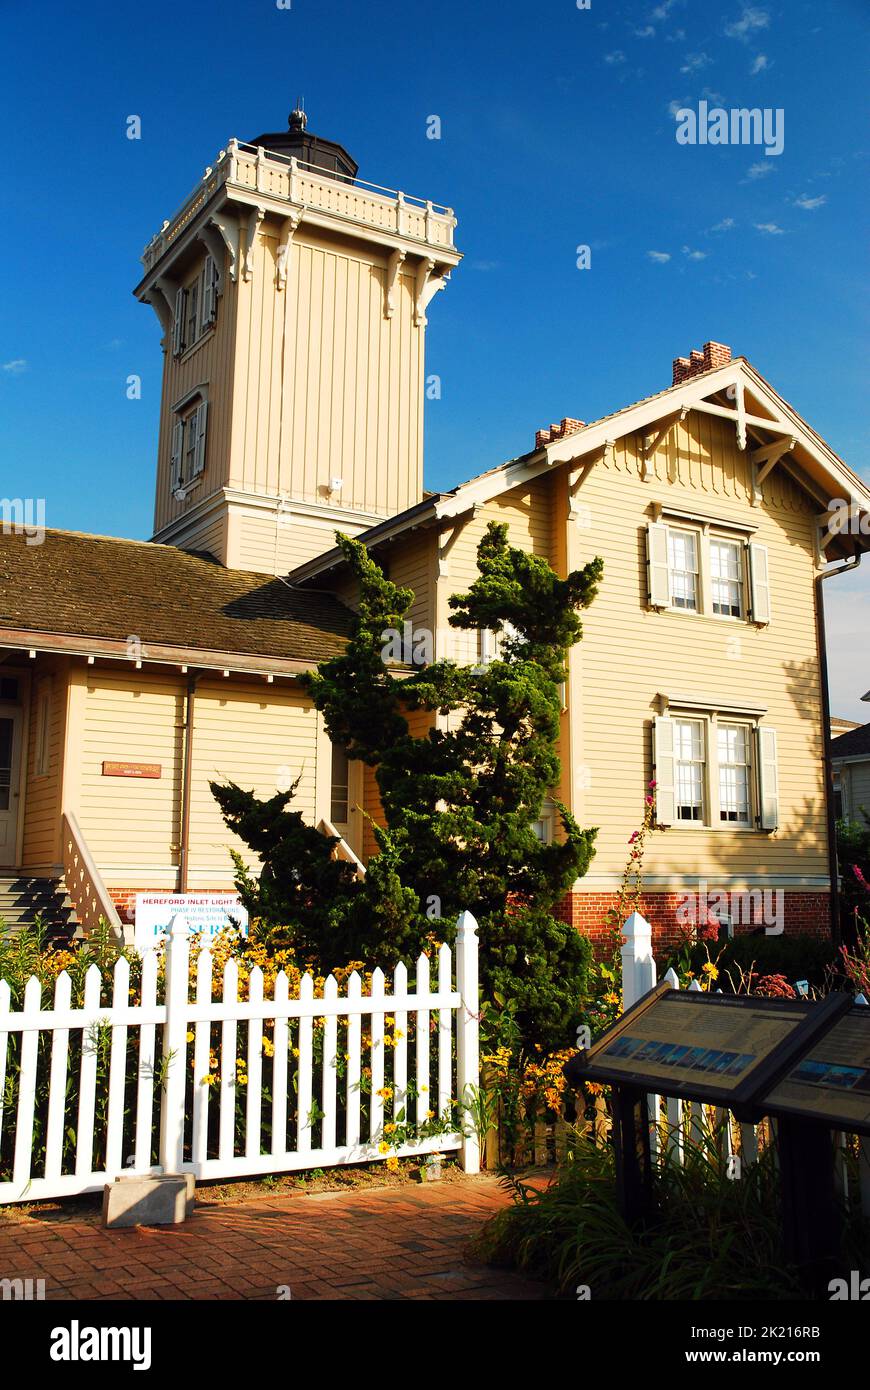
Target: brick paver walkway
{"x": 376, "y": 1243}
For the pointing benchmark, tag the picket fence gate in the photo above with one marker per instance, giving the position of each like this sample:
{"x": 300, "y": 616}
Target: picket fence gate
{"x": 168, "y": 1116}
{"x": 675, "y": 1122}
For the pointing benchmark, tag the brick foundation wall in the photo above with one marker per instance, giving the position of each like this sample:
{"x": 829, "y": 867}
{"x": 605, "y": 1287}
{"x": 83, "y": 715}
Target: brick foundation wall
{"x": 808, "y": 914}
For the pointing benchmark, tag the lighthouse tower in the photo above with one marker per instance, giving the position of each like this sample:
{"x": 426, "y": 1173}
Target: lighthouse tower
{"x": 293, "y": 299}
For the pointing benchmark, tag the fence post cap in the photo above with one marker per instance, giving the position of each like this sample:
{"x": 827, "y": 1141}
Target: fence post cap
{"x": 466, "y": 924}
{"x": 634, "y": 924}
{"x": 178, "y": 926}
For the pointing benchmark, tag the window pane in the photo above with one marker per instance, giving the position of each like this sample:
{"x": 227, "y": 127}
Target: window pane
{"x": 689, "y": 769}
{"x": 684, "y": 569}
{"x": 726, "y": 578}
{"x": 733, "y": 749}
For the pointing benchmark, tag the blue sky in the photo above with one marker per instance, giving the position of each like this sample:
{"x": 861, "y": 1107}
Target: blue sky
{"x": 557, "y": 131}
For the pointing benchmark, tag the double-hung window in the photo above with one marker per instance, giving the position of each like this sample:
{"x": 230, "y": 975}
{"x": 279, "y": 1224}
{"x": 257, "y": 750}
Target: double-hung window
{"x": 702, "y": 569}
{"x": 188, "y": 441}
{"x": 195, "y": 307}
{"x": 715, "y": 770}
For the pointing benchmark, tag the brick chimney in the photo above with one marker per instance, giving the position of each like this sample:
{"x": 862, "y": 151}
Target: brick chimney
{"x": 712, "y": 355}
{"x": 565, "y": 426}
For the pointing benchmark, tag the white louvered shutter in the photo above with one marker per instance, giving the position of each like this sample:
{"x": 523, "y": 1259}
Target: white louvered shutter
{"x": 759, "y": 583}
{"x": 488, "y": 646}
{"x": 201, "y": 418}
{"x": 657, "y": 565}
{"x": 178, "y": 324}
{"x": 663, "y": 757}
{"x": 177, "y": 448}
{"x": 768, "y": 779}
{"x": 209, "y": 292}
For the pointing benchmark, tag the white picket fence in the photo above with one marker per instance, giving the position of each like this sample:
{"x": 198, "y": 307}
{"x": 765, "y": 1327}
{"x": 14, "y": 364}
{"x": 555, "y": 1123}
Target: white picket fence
{"x": 156, "y": 1101}
{"x": 671, "y": 1122}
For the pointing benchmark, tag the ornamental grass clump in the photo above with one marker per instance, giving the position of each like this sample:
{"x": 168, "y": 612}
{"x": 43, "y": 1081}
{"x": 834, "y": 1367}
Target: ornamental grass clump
{"x": 709, "y": 1237}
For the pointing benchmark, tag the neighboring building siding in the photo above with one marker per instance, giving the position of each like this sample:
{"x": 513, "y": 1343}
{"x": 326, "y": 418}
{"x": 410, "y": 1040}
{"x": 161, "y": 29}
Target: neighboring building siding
{"x": 858, "y": 788}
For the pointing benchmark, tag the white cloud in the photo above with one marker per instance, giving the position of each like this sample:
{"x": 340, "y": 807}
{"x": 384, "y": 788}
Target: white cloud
{"x": 761, "y": 169}
{"x": 770, "y": 228}
{"x": 659, "y": 257}
{"x": 810, "y": 204}
{"x": 616, "y": 57}
{"x": 759, "y": 64}
{"x": 676, "y": 106}
{"x": 694, "y": 255}
{"x": 693, "y": 62}
{"x": 663, "y": 9}
{"x": 751, "y": 20}
{"x": 15, "y": 367}
{"x": 647, "y": 32}
{"x": 725, "y": 225}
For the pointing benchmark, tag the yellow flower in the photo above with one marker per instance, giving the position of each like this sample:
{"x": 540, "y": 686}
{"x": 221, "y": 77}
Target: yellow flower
{"x": 389, "y": 1129}
{"x": 190, "y": 1037}
{"x": 268, "y": 1047}
{"x": 430, "y": 1114}
{"x": 393, "y": 1164}
{"x": 383, "y": 1148}
{"x": 385, "y": 1092}
{"x": 710, "y": 970}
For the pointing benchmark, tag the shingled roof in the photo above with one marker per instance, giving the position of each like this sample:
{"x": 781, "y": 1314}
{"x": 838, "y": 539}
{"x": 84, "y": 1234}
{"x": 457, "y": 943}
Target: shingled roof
{"x": 100, "y": 587}
{"x": 854, "y": 744}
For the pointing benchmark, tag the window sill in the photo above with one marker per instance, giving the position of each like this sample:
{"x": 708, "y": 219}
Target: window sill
{"x": 194, "y": 348}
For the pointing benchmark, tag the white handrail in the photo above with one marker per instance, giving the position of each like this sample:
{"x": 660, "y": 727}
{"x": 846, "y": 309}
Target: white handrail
{"x": 342, "y": 849}
{"x": 84, "y": 882}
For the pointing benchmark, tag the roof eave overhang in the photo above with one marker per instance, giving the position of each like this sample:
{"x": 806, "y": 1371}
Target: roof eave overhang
{"x": 152, "y": 653}
{"x": 816, "y": 467}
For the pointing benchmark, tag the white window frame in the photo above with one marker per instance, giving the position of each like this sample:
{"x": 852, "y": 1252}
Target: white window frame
{"x": 195, "y": 308}
{"x": 739, "y": 547}
{"x": 752, "y": 579}
{"x": 703, "y": 762}
{"x": 695, "y": 536}
{"x": 755, "y": 730}
{"x": 188, "y": 439}
{"x": 747, "y": 731}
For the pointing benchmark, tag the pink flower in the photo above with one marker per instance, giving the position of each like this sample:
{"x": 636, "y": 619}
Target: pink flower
{"x": 649, "y": 801}
{"x": 652, "y": 784}
{"x": 633, "y": 836}
{"x": 856, "y": 870}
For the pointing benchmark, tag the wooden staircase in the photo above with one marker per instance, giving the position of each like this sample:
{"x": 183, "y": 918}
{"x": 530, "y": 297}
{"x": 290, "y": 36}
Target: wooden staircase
{"x": 23, "y": 899}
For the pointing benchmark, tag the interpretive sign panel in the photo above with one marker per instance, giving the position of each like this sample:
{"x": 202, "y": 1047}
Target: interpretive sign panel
{"x": 831, "y": 1082}
{"x": 715, "y": 1047}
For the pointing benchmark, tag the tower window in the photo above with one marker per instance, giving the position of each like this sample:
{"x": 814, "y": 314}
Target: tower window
{"x": 188, "y": 442}
{"x": 195, "y": 307}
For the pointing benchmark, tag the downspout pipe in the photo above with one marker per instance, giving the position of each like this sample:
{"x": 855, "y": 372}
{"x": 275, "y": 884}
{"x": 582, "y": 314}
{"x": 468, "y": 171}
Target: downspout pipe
{"x": 186, "y": 781}
{"x": 821, "y": 636}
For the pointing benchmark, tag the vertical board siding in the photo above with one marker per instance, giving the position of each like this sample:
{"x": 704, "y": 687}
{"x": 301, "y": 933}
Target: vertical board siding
{"x": 42, "y": 792}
